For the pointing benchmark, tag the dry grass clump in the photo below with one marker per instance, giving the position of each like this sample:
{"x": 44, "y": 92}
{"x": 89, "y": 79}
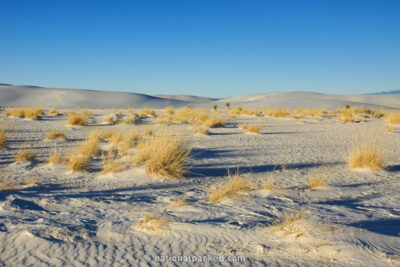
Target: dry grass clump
{"x": 32, "y": 113}
{"x": 169, "y": 110}
{"x": 148, "y": 131}
{"x": 165, "y": 156}
{"x": 129, "y": 120}
{"x": 201, "y": 129}
{"x": 388, "y": 128}
{"x": 366, "y": 154}
{"x": 3, "y": 139}
{"x": 77, "y": 119}
{"x": 56, "y": 157}
{"x": 182, "y": 201}
{"x": 54, "y": 112}
{"x": 288, "y": 224}
{"x": 147, "y": 112}
{"x": 111, "y": 165}
{"x": 89, "y": 148}
{"x": 316, "y": 180}
{"x": 311, "y": 112}
{"x": 78, "y": 162}
{"x": 393, "y": 118}
{"x": 276, "y": 112}
{"x": 152, "y": 222}
{"x": 252, "y": 130}
{"x": 56, "y": 135}
{"x": 233, "y": 185}
{"x": 24, "y": 155}
{"x": 110, "y": 119}
{"x": 272, "y": 185}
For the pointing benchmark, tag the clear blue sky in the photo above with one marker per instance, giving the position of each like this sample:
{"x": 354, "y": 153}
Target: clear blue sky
{"x": 205, "y": 47}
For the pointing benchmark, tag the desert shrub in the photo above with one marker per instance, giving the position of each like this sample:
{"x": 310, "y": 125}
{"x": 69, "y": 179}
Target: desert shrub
{"x": 233, "y": 185}
{"x": 366, "y": 154}
{"x": 24, "y": 155}
{"x": 3, "y": 139}
{"x": 152, "y": 222}
{"x": 77, "y": 119}
{"x": 56, "y": 135}
{"x": 165, "y": 156}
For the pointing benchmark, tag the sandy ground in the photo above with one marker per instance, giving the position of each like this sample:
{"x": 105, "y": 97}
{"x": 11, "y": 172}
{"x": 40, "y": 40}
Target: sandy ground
{"x": 59, "y": 218}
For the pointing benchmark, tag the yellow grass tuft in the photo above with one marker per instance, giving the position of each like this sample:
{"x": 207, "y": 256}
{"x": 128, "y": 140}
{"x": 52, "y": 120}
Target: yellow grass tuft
{"x": 389, "y": 128}
{"x": 202, "y": 129}
{"x": 110, "y": 119}
{"x": 130, "y": 120}
{"x": 252, "y": 129}
{"x": 394, "y": 118}
{"x": 78, "y": 162}
{"x": 147, "y": 112}
{"x": 56, "y": 135}
{"x": 31, "y": 113}
{"x": 56, "y": 157}
{"x": 153, "y": 222}
{"x": 77, "y": 119}
{"x": 165, "y": 156}
{"x": 169, "y": 110}
{"x": 111, "y": 165}
{"x": 54, "y": 112}
{"x": 24, "y": 155}
{"x": 366, "y": 154}
{"x": 148, "y": 131}
{"x": 3, "y": 139}
{"x": 233, "y": 185}
{"x": 288, "y": 224}
{"x": 316, "y": 180}
{"x": 272, "y": 185}
{"x": 182, "y": 201}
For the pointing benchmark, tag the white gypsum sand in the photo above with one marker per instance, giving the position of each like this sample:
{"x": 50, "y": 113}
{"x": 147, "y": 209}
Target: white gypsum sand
{"x": 53, "y": 216}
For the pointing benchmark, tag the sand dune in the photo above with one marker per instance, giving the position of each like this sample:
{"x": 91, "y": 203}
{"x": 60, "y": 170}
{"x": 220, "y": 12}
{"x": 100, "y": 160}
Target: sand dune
{"x": 12, "y": 95}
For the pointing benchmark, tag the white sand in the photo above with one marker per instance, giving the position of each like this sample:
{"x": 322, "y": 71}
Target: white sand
{"x": 88, "y": 219}
{"x": 11, "y": 95}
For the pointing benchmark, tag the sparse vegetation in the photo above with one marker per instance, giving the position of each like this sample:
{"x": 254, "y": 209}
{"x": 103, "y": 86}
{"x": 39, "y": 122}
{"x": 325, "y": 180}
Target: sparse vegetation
{"x": 77, "y": 119}
{"x": 3, "y": 139}
{"x": 316, "y": 180}
{"x": 366, "y": 154}
{"x": 56, "y": 157}
{"x": 179, "y": 202}
{"x": 54, "y": 112}
{"x": 165, "y": 156}
{"x": 56, "y": 135}
{"x": 24, "y": 155}
{"x": 252, "y": 129}
{"x": 31, "y": 113}
{"x": 78, "y": 162}
{"x": 152, "y": 222}
{"x": 233, "y": 185}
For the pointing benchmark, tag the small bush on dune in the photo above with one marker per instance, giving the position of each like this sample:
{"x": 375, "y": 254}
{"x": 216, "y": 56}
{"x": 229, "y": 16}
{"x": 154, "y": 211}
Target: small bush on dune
{"x": 366, "y": 154}
{"x": 31, "y": 113}
{"x": 110, "y": 119}
{"x": 271, "y": 185}
{"x": 54, "y": 112}
{"x": 111, "y": 165}
{"x": 252, "y": 129}
{"x": 147, "y": 112}
{"x": 233, "y": 185}
{"x": 169, "y": 110}
{"x": 182, "y": 201}
{"x": 153, "y": 222}
{"x": 148, "y": 131}
{"x": 3, "y": 139}
{"x": 288, "y": 224}
{"x": 56, "y": 135}
{"x": 316, "y": 180}
{"x": 130, "y": 120}
{"x": 393, "y": 118}
{"x": 165, "y": 156}
{"x": 78, "y": 162}
{"x": 77, "y": 119}
{"x": 56, "y": 157}
{"x": 200, "y": 129}
{"x": 24, "y": 155}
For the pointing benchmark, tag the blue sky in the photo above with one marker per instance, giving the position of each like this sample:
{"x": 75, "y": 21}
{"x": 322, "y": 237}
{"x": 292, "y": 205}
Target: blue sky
{"x": 210, "y": 47}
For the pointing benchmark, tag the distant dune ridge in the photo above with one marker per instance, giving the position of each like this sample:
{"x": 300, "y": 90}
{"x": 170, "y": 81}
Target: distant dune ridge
{"x": 15, "y": 95}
